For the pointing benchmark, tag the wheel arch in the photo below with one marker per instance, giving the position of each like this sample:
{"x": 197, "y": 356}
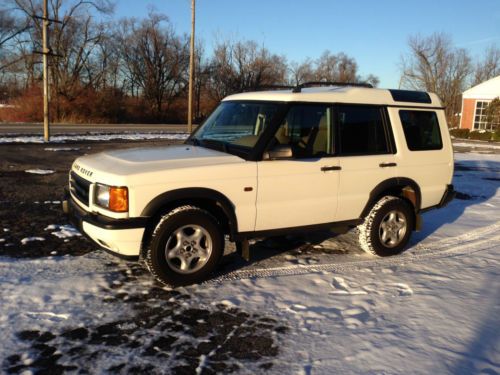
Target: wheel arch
{"x": 208, "y": 199}
{"x": 402, "y": 187}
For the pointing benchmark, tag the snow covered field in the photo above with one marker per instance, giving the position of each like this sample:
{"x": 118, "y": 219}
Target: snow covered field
{"x": 315, "y": 305}
{"x": 91, "y": 136}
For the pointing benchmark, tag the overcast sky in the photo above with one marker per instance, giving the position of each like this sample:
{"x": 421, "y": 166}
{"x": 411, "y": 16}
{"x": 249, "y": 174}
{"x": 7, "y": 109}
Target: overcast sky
{"x": 375, "y": 33}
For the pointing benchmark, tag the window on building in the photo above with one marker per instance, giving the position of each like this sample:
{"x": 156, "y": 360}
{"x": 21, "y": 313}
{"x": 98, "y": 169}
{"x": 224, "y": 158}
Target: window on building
{"x": 480, "y": 121}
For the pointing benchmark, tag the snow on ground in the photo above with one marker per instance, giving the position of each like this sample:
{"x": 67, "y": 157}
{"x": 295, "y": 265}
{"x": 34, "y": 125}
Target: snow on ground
{"x": 477, "y": 145}
{"x": 433, "y": 310}
{"x": 63, "y": 231}
{"x": 56, "y": 149}
{"x": 39, "y": 171}
{"x": 24, "y": 241}
{"x": 435, "y": 316}
{"x": 91, "y": 136}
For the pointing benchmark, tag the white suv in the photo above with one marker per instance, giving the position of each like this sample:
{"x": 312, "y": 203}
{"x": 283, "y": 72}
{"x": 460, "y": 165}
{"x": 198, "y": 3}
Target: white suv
{"x": 268, "y": 163}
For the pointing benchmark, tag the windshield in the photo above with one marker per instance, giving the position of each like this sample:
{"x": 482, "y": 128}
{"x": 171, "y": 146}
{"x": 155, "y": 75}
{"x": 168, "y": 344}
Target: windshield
{"x": 236, "y": 123}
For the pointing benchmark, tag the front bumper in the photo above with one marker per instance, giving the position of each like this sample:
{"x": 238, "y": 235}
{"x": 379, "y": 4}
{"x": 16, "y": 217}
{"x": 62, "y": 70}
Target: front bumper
{"x": 120, "y": 236}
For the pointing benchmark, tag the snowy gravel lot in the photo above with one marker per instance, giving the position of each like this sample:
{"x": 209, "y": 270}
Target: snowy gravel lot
{"x": 313, "y": 304}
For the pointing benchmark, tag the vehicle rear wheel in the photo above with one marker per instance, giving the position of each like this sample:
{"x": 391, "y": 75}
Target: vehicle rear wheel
{"x": 387, "y": 228}
{"x": 185, "y": 246}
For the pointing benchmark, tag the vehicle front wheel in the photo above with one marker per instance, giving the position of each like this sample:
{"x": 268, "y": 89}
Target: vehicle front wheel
{"x": 185, "y": 246}
{"x": 387, "y": 228}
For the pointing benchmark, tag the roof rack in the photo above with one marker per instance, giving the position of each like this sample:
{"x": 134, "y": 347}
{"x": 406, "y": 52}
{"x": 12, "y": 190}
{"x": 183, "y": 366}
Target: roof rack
{"x": 268, "y": 87}
{"x": 299, "y": 88}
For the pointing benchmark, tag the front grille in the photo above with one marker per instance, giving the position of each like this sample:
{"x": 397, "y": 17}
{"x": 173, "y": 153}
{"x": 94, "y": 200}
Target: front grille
{"x": 79, "y": 187}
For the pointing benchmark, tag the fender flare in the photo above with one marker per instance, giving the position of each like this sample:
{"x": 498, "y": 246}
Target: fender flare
{"x": 186, "y": 194}
{"x": 391, "y": 184}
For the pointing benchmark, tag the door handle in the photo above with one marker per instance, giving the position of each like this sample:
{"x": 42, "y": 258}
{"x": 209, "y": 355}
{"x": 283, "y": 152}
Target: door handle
{"x": 385, "y": 165}
{"x": 331, "y": 168}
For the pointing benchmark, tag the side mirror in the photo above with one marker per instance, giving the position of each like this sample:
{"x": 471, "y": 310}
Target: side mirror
{"x": 278, "y": 152}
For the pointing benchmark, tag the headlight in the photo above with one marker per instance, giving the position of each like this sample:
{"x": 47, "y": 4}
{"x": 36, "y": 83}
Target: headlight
{"x": 113, "y": 198}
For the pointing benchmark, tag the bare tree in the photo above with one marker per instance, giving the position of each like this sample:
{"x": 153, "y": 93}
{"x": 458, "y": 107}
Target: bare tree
{"x": 329, "y": 67}
{"x": 10, "y": 27}
{"x": 434, "y": 64}
{"x": 12, "y": 30}
{"x": 488, "y": 67}
{"x": 155, "y": 59}
{"x": 75, "y": 40}
{"x": 201, "y": 80}
{"x": 336, "y": 68}
{"x": 103, "y": 67}
{"x": 301, "y": 72}
{"x": 244, "y": 66}
{"x": 372, "y": 80}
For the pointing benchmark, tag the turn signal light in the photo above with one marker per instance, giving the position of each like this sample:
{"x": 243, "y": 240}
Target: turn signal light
{"x": 118, "y": 199}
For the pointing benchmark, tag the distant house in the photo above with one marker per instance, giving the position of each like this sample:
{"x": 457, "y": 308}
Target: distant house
{"x": 474, "y": 102}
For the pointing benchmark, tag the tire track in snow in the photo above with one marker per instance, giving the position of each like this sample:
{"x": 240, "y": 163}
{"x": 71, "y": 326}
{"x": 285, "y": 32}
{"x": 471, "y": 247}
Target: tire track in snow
{"x": 468, "y": 243}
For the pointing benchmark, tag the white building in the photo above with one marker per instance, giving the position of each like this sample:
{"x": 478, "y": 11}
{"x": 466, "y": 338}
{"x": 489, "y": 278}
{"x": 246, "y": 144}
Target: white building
{"x": 474, "y": 102}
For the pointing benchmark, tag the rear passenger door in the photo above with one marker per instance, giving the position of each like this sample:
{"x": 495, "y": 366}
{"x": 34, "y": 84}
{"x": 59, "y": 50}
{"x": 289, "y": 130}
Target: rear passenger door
{"x": 366, "y": 153}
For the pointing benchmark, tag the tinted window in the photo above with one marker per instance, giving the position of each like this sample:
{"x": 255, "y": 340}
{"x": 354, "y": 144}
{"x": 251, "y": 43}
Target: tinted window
{"x": 307, "y": 129}
{"x": 421, "y": 130}
{"x": 361, "y": 130}
{"x": 410, "y": 96}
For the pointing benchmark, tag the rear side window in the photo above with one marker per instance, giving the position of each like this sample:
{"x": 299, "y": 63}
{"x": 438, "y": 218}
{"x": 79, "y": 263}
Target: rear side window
{"x": 361, "y": 130}
{"x": 421, "y": 130}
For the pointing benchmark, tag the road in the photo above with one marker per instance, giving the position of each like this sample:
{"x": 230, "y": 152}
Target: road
{"x": 37, "y": 128}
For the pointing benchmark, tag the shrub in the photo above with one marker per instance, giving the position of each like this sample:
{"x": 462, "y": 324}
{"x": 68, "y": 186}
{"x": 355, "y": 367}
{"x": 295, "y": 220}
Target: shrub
{"x": 460, "y": 133}
{"x": 496, "y": 135}
{"x": 26, "y": 108}
{"x": 481, "y": 135}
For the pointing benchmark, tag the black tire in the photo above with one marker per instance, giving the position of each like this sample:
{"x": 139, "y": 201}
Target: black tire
{"x": 386, "y": 230}
{"x": 185, "y": 246}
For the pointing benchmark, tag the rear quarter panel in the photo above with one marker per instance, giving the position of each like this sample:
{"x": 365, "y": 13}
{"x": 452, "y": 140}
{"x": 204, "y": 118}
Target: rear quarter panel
{"x": 431, "y": 170}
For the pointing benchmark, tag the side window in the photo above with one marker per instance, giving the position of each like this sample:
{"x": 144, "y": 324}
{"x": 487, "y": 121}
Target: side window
{"x": 421, "y": 130}
{"x": 307, "y": 129}
{"x": 361, "y": 130}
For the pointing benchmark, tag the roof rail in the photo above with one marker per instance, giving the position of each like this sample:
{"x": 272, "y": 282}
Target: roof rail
{"x": 267, "y": 87}
{"x": 299, "y": 88}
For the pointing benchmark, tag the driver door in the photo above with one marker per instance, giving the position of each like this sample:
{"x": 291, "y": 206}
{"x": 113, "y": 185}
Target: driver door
{"x": 300, "y": 189}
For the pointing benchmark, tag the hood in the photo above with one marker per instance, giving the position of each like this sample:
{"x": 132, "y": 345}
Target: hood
{"x": 149, "y": 159}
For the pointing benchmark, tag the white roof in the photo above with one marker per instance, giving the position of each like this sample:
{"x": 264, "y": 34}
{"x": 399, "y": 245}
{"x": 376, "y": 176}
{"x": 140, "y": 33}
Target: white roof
{"x": 333, "y": 94}
{"x": 487, "y": 90}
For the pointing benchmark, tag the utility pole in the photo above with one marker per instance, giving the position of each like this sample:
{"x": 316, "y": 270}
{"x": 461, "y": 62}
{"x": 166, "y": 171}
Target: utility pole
{"x": 45, "y": 51}
{"x": 191, "y": 70}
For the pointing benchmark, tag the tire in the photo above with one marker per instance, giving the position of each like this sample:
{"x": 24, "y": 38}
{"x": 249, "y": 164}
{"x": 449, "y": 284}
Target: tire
{"x": 185, "y": 246}
{"x": 387, "y": 228}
